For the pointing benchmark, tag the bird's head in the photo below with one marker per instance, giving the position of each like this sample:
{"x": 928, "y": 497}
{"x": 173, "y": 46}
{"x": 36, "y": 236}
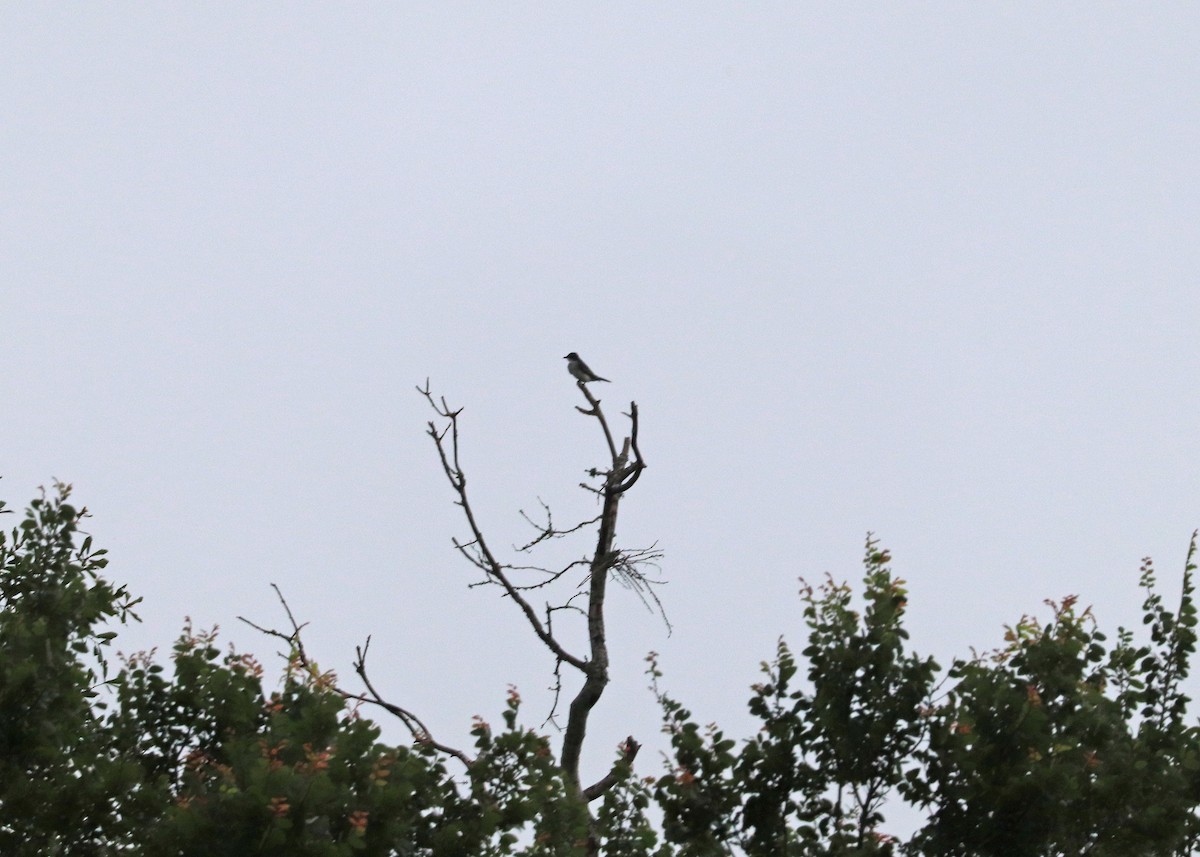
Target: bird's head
{"x": 571, "y": 356}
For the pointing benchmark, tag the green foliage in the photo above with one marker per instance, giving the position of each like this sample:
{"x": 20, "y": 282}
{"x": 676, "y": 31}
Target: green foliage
{"x": 197, "y": 759}
{"x": 61, "y": 781}
{"x": 294, "y": 772}
{"x": 1058, "y": 743}
{"x": 1054, "y": 745}
{"x": 622, "y": 825}
{"x": 515, "y": 783}
{"x": 814, "y": 778}
{"x": 299, "y": 772}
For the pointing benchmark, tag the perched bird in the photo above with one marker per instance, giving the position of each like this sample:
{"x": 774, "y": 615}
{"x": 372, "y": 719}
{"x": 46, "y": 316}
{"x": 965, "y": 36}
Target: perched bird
{"x": 580, "y": 370}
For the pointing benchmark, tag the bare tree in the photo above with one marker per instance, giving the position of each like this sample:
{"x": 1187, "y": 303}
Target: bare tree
{"x": 609, "y": 484}
{"x": 605, "y": 561}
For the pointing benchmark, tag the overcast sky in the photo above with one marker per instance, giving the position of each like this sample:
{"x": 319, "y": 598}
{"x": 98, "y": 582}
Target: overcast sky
{"x": 927, "y": 270}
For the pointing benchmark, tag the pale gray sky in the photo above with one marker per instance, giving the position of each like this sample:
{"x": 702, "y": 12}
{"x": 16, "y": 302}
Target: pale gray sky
{"x": 922, "y": 269}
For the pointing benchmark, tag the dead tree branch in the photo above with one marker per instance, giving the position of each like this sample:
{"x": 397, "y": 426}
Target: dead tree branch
{"x": 629, "y": 751}
{"x": 624, "y": 467}
{"x": 623, "y": 470}
{"x": 416, "y": 728}
{"x": 617, "y": 480}
{"x": 484, "y": 558}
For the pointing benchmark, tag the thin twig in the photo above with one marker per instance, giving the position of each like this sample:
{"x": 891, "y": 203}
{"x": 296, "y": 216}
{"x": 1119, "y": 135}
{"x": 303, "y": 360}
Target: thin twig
{"x": 486, "y": 559}
{"x": 414, "y": 725}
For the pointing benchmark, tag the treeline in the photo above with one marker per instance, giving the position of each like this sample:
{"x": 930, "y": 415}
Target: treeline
{"x": 1060, "y": 742}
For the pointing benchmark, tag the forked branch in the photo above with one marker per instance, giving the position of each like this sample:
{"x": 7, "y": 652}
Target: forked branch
{"x": 485, "y": 559}
{"x": 416, "y": 728}
{"x": 624, "y": 467}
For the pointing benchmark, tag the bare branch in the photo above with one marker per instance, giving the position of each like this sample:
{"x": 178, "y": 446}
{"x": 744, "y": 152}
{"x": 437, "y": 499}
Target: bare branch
{"x": 603, "y": 558}
{"x": 420, "y": 730}
{"x": 551, "y": 575}
{"x": 414, "y": 725}
{"x": 629, "y": 751}
{"x": 628, "y": 571}
{"x": 639, "y": 463}
{"x": 548, "y": 531}
{"x": 624, "y": 468}
{"x": 486, "y": 560}
{"x": 594, "y": 411}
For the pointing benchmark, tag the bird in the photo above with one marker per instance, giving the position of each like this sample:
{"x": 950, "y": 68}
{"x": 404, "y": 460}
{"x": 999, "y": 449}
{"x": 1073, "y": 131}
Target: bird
{"x": 580, "y": 370}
